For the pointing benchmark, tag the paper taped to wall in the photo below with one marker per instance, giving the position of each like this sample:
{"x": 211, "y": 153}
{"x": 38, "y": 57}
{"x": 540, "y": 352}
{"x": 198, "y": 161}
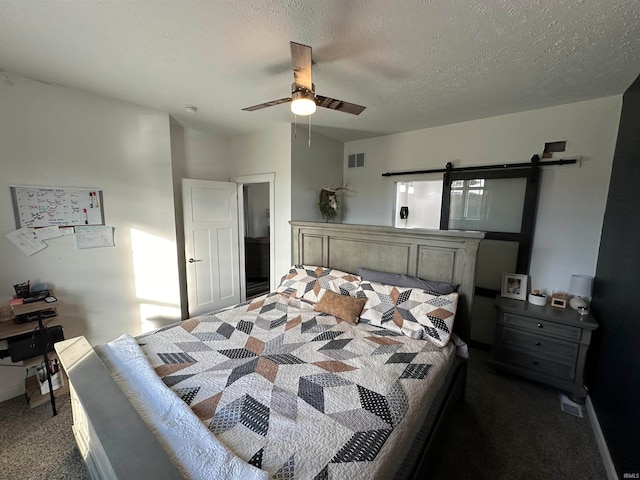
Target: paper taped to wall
{"x": 94, "y": 236}
{"x": 25, "y": 240}
{"x": 46, "y": 233}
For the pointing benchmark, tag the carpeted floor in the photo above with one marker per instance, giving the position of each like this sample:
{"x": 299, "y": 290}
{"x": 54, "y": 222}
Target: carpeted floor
{"x": 511, "y": 429}
{"x": 508, "y": 429}
{"x": 35, "y": 445}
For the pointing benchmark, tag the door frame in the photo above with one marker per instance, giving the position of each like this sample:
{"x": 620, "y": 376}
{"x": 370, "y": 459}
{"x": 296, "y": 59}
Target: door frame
{"x": 241, "y": 181}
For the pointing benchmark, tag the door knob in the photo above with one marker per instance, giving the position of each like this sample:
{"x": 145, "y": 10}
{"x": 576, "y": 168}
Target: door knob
{"x": 193, "y": 260}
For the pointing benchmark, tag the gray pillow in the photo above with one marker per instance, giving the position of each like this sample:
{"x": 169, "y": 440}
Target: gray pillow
{"x": 407, "y": 281}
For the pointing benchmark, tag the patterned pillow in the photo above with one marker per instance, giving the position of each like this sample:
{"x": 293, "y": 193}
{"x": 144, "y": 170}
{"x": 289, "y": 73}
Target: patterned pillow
{"x": 411, "y": 311}
{"x": 310, "y": 283}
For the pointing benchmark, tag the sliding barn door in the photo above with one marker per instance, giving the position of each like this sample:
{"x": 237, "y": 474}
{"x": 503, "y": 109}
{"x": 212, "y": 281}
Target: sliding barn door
{"x": 502, "y": 203}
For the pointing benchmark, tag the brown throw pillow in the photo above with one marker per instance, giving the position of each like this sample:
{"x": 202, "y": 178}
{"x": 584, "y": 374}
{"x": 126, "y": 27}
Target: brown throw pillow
{"x": 341, "y": 306}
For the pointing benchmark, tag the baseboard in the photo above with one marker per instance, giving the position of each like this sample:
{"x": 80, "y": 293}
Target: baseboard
{"x": 602, "y": 444}
{"x": 10, "y": 391}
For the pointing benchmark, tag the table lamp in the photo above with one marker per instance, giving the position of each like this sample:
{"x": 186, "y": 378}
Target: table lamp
{"x": 580, "y": 288}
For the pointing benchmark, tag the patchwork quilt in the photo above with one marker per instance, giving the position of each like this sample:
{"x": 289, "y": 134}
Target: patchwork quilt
{"x": 299, "y": 393}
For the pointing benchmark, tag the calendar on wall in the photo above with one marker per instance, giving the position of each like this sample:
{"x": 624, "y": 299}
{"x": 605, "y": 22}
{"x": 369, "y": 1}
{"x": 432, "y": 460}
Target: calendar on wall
{"x": 59, "y": 206}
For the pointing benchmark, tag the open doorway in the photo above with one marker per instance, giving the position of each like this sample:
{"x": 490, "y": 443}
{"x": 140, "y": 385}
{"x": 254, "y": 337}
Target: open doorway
{"x": 256, "y": 238}
{"x": 256, "y": 201}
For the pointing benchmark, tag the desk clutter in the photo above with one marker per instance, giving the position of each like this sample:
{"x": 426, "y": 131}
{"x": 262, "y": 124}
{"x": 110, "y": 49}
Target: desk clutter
{"x": 28, "y": 305}
{"x": 53, "y": 370}
{"x": 38, "y": 298}
{"x": 27, "y": 334}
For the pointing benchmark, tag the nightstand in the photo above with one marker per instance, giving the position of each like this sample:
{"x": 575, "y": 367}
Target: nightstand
{"x": 545, "y": 344}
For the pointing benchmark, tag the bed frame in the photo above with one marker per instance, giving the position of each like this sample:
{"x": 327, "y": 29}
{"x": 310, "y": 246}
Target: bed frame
{"x": 116, "y": 443}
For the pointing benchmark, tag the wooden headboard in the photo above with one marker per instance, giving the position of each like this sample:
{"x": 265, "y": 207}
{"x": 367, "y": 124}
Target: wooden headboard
{"x": 442, "y": 255}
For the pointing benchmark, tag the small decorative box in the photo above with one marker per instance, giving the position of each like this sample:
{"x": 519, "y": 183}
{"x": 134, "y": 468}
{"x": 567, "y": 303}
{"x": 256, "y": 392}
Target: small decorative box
{"x": 559, "y": 300}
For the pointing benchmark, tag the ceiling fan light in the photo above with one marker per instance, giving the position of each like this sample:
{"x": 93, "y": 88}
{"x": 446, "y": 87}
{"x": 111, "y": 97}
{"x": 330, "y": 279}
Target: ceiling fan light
{"x": 303, "y": 106}
{"x": 303, "y": 102}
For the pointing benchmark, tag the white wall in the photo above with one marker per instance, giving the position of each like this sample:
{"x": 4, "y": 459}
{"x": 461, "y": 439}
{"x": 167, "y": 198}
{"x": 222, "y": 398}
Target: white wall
{"x": 313, "y": 167}
{"x": 572, "y": 198}
{"x": 54, "y": 136}
{"x": 269, "y": 151}
{"x": 206, "y": 156}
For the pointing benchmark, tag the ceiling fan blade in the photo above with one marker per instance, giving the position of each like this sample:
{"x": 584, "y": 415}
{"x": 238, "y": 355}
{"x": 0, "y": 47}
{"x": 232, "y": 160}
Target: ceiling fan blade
{"x": 301, "y": 62}
{"x": 267, "y": 104}
{"x": 339, "y": 105}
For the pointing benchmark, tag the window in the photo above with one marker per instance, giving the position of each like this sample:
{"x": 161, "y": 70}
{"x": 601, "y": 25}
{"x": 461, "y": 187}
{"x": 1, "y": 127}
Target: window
{"x": 422, "y": 201}
{"x": 467, "y": 199}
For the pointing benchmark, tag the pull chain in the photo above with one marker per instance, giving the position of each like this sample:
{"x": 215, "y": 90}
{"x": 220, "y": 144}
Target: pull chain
{"x": 295, "y": 128}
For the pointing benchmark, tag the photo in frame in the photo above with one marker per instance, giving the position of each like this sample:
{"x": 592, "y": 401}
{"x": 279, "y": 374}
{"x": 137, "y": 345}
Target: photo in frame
{"x": 514, "y": 286}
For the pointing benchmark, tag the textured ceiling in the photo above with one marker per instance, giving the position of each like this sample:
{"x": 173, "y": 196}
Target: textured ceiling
{"x": 413, "y": 64}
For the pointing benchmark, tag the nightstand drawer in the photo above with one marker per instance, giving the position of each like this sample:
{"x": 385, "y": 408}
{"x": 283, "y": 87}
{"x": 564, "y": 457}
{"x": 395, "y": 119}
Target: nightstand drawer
{"x": 535, "y": 363}
{"x": 540, "y": 344}
{"x": 542, "y": 326}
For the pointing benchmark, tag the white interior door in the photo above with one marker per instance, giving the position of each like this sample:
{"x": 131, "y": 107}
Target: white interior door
{"x": 211, "y": 244}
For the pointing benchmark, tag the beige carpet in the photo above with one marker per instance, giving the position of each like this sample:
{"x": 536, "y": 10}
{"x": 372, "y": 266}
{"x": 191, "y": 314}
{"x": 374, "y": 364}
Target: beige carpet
{"x": 35, "y": 445}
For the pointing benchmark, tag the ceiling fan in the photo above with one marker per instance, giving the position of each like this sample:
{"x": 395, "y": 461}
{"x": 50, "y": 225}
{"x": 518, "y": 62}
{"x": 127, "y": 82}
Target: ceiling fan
{"x": 303, "y": 92}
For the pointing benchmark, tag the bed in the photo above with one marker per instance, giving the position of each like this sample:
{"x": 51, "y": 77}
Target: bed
{"x": 272, "y": 376}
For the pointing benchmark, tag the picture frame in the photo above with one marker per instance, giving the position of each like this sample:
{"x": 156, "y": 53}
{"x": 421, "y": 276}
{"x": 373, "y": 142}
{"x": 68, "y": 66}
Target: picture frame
{"x": 514, "y": 286}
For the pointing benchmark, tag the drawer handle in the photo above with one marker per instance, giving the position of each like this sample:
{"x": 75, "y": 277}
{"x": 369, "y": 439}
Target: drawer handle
{"x": 540, "y": 325}
{"x": 538, "y": 344}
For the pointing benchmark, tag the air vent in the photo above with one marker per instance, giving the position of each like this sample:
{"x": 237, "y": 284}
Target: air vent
{"x": 570, "y": 407}
{"x": 355, "y": 160}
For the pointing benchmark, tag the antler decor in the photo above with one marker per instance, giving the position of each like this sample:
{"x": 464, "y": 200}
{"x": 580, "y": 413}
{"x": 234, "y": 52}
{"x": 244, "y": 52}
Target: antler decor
{"x": 329, "y": 203}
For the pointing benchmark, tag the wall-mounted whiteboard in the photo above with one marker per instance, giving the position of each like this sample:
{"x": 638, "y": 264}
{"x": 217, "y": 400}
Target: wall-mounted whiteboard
{"x": 61, "y": 206}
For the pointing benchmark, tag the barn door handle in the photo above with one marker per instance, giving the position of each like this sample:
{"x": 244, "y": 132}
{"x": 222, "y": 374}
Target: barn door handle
{"x": 193, "y": 260}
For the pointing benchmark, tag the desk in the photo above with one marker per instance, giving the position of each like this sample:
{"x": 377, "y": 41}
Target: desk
{"x": 10, "y": 329}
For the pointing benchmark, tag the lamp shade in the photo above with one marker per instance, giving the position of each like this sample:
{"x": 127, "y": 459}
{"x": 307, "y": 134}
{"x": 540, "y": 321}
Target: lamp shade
{"x": 580, "y": 285}
{"x": 303, "y": 102}
{"x": 303, "y": 106}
